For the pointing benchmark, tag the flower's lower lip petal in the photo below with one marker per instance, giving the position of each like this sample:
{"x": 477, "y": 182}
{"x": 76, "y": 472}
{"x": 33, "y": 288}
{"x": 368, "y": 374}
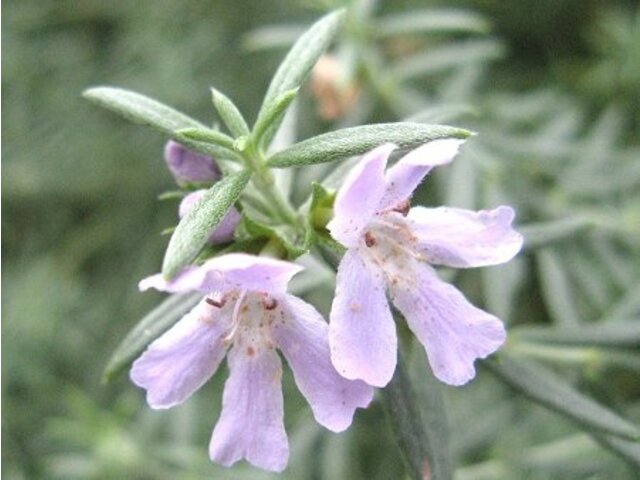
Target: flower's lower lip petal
{"x": 454, "y": 332}
{"x": 181, "y": 360}
{"x": 251, "y": 425}
{"x": 463, "y": 238}
{"x": 303, "y": 339}
{"x": 358, "y": 198}
{"x": 362, "y": 333}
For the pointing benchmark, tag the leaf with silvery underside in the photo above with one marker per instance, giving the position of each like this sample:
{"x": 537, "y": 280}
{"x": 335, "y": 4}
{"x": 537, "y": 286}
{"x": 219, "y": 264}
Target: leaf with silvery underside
{"x": 298, "y": 63}
{"x": 358, "y": 140}
{"x": 542, "y": 234}
{"x": 147, "y": 111}
{"x": 272, "y": 117}
{"x": 152, "y": 325}
{"x": 545, "y": 388}
{"x": 194, "y": 228}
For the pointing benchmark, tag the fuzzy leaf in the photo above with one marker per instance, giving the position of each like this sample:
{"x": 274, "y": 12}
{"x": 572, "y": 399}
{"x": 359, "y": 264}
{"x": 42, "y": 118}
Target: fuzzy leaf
{"x": 430, "y": 21}
{"x": 358, "y": 140}
{"x": 229, "y": 113}
{"x": 152, "y": 325}
{"x": 141, "y": 109}
{"x": 272, "y": 117}
{"x": 206, "y": 135}
{"x": 299, "y": 61}
{"x": 545, "y": 388}
{"x": 193, "y": 230}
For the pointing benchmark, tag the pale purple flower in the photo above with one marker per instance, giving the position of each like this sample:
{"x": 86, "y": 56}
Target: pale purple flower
{"x": 389, "y": 249}
{"x": 224, "y": 230}
{"x": 247, "y": 311}
{"x": 188, "y": 166}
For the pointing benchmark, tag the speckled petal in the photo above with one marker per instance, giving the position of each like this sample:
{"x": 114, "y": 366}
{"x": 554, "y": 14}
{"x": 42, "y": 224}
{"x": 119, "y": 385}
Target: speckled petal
{"x": 302, "y": 335}
{"x": 453, "y": 332}
{"x": 362, "y": 333}
{"x": 251, "y": 425}
{"x": 181, "y": 360}
{"x": 464, "y": 238}
{"x": 405, "y": 176}
{"x": 359, "y": 197}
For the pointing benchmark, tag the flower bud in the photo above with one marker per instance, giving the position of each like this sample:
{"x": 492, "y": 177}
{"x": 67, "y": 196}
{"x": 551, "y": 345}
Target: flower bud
{"x": 227, "y": 226}
{"x": 187, "y": 166}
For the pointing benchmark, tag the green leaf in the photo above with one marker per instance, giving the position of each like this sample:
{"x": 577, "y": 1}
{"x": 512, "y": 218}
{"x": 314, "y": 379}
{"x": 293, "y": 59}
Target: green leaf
{"x": 272, "y": 117}
{"x": 628, "y": 451}
{"x": 624, "y": 334}
{"x": 193, "y": 230}
{"x": 286, "y": 236}
{"x": 422, "y": 439}
{"x": 154, "y": 324}
{"x": 556, "y": 288}
{"x": 430, "y": 21}
{"x": 299, "y": 61}
{"x": 545, "y": 388}
{"x": 357, "y": 140}
{"x": 229, "y": 113}
{"x": 206, "y": 135}
{"x": 141, "y": 109}
{"x": 542, "y": 234}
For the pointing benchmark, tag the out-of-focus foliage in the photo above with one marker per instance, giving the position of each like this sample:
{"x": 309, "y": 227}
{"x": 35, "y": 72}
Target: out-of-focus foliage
{"x": 552, "y": 89}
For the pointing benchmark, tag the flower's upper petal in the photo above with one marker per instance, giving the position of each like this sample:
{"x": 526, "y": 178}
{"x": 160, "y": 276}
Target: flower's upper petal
{"x": 189, "y": 279}
{"x": 405, "y": 176}
{"x": 303, "y": 338}
{"x": 233, "y": 271}
{"x": 251, "y": 425}
{"x": 464, "y": 238}
{"x": 454, "y": 332}
{"x": 362, "y": 333}
{"x": 249, "y": 272}
{"x": 181, "y": 360}
{"x": 359, "y": 196}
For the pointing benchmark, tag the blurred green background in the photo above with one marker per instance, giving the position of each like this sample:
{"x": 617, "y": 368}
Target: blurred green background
{"x": 558, "y": 114}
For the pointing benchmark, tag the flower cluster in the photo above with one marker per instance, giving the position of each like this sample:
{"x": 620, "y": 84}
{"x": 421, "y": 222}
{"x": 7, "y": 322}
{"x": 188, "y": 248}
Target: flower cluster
{"x": 246, "y": 313}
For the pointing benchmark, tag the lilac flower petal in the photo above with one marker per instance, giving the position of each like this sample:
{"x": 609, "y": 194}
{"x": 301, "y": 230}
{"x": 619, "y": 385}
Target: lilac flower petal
{"x": 188, "y": 166}
{"x": 233, "y": 271}
{"x": 405, "y": 176}
{"x": 303, "y": 338}
{"x": 181, "y": 360}
{"x": 249, "y": 272}
{"x": 251, "y": 424}
{"x": 362, "y": 333}
{"x": 358, "y": 198}
{"x": 453, "y": 332}
{"x": 189, "y": 279}
{"x": 224, "y": 230}
{"x": 464, "y": 238}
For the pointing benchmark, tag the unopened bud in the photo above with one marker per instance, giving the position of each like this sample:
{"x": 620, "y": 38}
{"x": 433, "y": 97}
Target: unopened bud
{"x": 226, "y": 228}
{"x": 187, "y": 166}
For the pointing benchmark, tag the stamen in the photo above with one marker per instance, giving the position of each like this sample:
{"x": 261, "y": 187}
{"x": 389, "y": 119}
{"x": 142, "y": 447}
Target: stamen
{"x": 402, "y": 208}
{"x": 369, "y": 239}
{"x": 269, "y": 303}
{"x": 216, "y": 303}
{"x": 235, "y": 317}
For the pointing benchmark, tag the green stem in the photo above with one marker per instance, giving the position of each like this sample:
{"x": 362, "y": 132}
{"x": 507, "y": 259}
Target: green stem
{"x": 264, "y": 183}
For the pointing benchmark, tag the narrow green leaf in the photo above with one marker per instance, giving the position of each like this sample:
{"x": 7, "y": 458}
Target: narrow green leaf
{"x": 229, "y": 114}
{"x": 556, "y": 289}
{"x": 422, "y": 441}
{"x": 357, "y": 140}
{"x": 193, "y": 230}
{"x": 545, "y": 388}
{"x": 285, "y": 235}
{"x": 141, "y": 109}
{"x": 628, "y": 451}
{"x": 624, "y": 334}
{"x": 206, "y": 135}
{"x": 430, "y": 21}
{"x": 272, "y": 117}
{"x": 154, "y": 324}
{"x": 542, "y": 234}
{"x": 300, "y": 60}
